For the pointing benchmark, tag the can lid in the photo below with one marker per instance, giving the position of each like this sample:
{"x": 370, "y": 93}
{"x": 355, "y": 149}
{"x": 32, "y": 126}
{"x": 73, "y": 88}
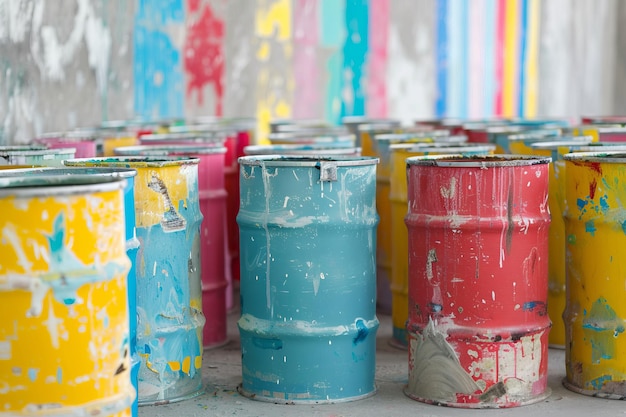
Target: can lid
{"x": 68, "y": 171}
{"x": 306, "y": 161}
{"x": 57, "y": 185}
{"x": 156, "y": 161}
{"x": 478, "y": 161}
{"x": 617, "y": 156}
{"x": 169, "y": 150}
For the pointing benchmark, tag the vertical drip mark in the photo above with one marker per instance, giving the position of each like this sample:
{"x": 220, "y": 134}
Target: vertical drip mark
{"x": 354, "y": 54}
{"x": 267, "y": 191}
{"x": 523, "y": 43}
{"x": 509, "y": 217}
{"x": 442, "y": 58}
{"x": 532, "y": 59}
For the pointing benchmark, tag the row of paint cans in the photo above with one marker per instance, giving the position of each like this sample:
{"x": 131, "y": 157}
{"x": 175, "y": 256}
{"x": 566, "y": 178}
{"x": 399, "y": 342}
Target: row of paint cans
{"x": 398, "y": 198}
{"x": 64, "y": 333}
{"x": 308, "y": 304}
{"x": 478, "y": 248}
{"x": 213, "y": 242}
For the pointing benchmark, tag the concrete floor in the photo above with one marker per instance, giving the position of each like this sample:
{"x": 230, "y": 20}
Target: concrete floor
{"x": 222, "y": 374}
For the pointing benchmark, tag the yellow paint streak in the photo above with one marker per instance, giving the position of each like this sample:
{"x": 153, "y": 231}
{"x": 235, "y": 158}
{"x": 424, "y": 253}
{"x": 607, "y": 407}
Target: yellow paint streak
{"x": 272, "y": 23}
{"x": 109, "y": 144}
{"x": 198, "y": 362}
{"x": 532, "y": 62}
{"x": 174, "y": 366}
{"x": 510, "y": 64}
{"x": 186, "y": 365}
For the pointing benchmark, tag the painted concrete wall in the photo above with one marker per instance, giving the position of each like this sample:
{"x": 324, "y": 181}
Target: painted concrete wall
{"x": 76, "y": 63}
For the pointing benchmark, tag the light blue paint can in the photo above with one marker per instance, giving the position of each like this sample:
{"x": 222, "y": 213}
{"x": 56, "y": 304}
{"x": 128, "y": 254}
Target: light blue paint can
{"x": 308, "y": 278}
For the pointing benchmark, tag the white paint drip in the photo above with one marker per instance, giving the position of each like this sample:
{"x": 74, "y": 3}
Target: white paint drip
{"x": 432, "y": 257}
{"x": 15, "y": 18}
{"x": 52, "y": 55}
{"x": 52, "y": 323}
{"x": 449, "y": 192}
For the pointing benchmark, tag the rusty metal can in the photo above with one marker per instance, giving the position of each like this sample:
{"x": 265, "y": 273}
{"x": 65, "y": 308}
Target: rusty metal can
{"x": 478, "y": 252}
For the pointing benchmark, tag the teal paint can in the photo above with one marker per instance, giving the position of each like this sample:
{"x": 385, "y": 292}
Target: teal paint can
{"x": 308, "y": 278}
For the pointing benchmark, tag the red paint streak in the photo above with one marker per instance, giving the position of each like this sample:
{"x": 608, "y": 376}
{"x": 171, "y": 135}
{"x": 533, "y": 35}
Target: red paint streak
{"x": 592, "y": 189}
{"x": 377, "y": 65}
{"x": 204, "y": 57}
{"x": 499, "y": 51}
{"x": 596, "y": 167}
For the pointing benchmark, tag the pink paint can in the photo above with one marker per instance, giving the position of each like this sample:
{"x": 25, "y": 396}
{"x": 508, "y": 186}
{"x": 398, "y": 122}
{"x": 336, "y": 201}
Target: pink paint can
{"x": 478, "y": 280}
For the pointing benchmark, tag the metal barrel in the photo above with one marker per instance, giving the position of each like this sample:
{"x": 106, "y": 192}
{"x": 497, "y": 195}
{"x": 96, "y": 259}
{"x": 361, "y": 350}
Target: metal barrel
{"x": 83, "y": 141}
{"x": 399, "y": 280}
{"x": 340, "y": 139}
{"x": 478, "y": 252}
{"x": 35, "y": 156}
{"x": 595, "y": 308}
{"x": 64, "y": 333}
{"x": 556, "y": 239}
{"x": 52, "y": 175}
{"x": 308, "y": 279}
{"x": 169, "y": 296}
{"x": 213, "y": 243}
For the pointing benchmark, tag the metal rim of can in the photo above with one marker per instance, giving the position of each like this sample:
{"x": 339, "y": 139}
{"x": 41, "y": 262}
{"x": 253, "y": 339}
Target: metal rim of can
{"x": 305, "y": 161}
{"x": 418, "y": 134}
{"x": 66, "y": 136}
{"x": 208, "y": 130}
{"x": 611, "y": 157}
{"x": 67, "y": 171}
{"x": 438, "y": 146}
{"x": 480, "y": 161}
{"x": 43, "y": 186}
{"x": 294, "y": 149}
{"x": 323, "y": 137}
{"x": 556, "y": 144}
{"x": 168, "y": 150}
{"x": 357, "y": 120}
{"x": 36, "y": 152}
{"x": 132, "y": 161}
{"x": 601, "y": 148}
{"x": 373, "y": 127}
{"x": 182, "y": 136}
{"x": 17, "y": 148}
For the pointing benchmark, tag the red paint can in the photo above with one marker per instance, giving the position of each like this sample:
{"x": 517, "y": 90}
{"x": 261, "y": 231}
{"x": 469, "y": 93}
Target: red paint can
{"x": 478, "y": 280}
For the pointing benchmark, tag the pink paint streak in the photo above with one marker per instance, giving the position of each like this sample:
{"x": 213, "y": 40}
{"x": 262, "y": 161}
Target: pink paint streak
{"x": 377, "y": 65}
{"x": 307, "y": 97}
{"x": 499, "y": 52}
{"x": 204, "y": 54}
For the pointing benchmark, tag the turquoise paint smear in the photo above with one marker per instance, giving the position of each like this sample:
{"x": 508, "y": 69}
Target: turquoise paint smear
{"x": 581, "y": 204}
{"x": 598, "y": 383}
{"x": 32, "y": 374}
{"x": 601, "y": 327}
{"x": 157, "y": 69}
{"x": 604, "y": 205}
{"x": 490, "y": 63}
{"x": 354, "y": 57}
{"x": 590, "y": 227}
{"x": 332, "y": 34}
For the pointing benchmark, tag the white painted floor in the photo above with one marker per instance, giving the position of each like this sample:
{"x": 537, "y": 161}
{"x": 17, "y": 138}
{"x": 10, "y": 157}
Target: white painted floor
{"x": 222, "y": 374}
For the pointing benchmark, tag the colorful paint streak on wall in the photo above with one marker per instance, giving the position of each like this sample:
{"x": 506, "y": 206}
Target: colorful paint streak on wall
{"x": 487, "y": 58}
{"x": 157, "y": 63}
{"x": 204, "y": 54}
{"x": 307, "y": 97}
{"x": 332, "y": 36}
{"x": 355, "y": 52}
{"x": 275, "y": 80}
{"x": 377, "y": 104}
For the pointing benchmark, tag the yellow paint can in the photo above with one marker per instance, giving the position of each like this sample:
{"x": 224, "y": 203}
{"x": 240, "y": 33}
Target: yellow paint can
{"x": 64, "y": 334}
{"x": 595, "y": 234}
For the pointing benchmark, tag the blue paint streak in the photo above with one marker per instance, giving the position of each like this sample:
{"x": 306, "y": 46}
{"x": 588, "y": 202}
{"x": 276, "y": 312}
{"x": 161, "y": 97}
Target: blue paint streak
{"x": 362, "y": 332}
{"x": 159, "y": 84}
{"x": 604, "y": 205}
{"x": 441, "y": 105}
{"x": 355, "y": 54}
{"x": 598, "y": 383}
{"x": 524, "y": 5}
{"x": 490, "y": 63}
{"x": 590, "y": 227}
{"x": 458, "y": 45}
{"x": 332, "y": 35}
{"x": 465, "y": 47}
{"x": 32, "y": 374}
{"x": 59, "y": 375}
{"x": 581, "y": 203}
